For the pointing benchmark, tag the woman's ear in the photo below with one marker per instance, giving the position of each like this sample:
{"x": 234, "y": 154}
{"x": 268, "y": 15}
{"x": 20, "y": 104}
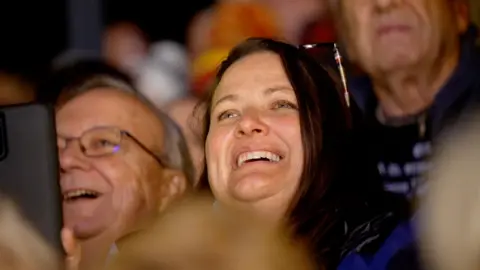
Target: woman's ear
{"x": 174, "y": 187}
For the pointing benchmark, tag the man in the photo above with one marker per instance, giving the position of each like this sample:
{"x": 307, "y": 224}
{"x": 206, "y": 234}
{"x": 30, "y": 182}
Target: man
{"x": 122, "y": 162}
{"x": 421, "y": 65}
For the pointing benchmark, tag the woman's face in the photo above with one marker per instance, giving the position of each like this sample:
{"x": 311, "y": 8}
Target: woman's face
{"x": 254, "y": 148}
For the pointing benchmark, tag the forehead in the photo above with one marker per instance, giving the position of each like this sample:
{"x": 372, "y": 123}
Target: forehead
{"x": 426, "y": 4}
{"x": 106, "y": 107}
{"x": 258, "y": 70}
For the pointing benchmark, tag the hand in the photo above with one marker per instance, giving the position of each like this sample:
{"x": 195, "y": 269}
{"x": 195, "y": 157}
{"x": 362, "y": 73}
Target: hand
{"x": 72, "y": 249}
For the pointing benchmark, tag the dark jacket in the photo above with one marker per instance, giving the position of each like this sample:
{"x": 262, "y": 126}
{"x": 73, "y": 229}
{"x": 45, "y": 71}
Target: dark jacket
{"x": 387, "y": 240}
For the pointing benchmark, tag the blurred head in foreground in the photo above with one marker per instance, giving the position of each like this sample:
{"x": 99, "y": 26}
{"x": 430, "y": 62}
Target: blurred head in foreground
{"x": 451, "y": 217}
{"x": 192, "y": 236}
{"x": 21, "y": 248}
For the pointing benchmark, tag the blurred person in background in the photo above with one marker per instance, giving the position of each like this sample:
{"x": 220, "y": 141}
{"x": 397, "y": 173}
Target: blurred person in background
{"x": 210, "y": 39}
{"x": 125, "y": 46}
{"x": 222, "y": 22}
{"x": 216, "y": 242}
{"x": 21, "y": 247}
{"x": 182, "y": 112}
{"x": 163, "y": 77}
{"x": 295, "y": 16}
{"x": 276, "y": 145}
{"x": 320, "y": 31}
{"x": 421, "y": 64}
{"x": 421, "y": 67}
{"x": 289, "y": 18}
{"x": 159, "y": 69}
{"x": 14, "y": 89}
{"x": 17, "y": 85}
{"x": 450, "y": 220}
{"x": 122, "y": 162}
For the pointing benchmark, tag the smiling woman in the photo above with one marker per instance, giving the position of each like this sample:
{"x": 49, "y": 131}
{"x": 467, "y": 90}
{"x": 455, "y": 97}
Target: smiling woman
{"x": 275, "y": 133}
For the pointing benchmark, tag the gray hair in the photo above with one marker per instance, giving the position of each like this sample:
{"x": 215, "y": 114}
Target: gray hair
{"x": 175, "y": 152}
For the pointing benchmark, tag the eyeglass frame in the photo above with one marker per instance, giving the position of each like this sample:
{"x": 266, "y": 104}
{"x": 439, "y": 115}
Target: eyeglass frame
{"x": 122, "y": 134}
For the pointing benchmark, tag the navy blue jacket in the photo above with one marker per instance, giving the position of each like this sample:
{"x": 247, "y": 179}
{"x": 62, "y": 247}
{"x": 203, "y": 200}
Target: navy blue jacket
{"x": 381, "y": 245}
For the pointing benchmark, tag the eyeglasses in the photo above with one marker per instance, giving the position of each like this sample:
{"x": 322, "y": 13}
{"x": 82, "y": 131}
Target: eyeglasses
{"x": 103, "y": 141}
{"x": 338, "y": 61}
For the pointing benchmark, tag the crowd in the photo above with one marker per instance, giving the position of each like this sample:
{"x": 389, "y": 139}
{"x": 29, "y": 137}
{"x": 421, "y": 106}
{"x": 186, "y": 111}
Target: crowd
{"x": 243, "y": 151}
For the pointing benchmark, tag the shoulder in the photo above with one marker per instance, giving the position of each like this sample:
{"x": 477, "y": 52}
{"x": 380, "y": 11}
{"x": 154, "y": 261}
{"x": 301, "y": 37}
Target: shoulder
{"x": 382, "y": 235}
{"x": 382, "y": 250}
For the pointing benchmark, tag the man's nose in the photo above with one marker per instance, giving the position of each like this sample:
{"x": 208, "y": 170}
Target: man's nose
{"x": 72, "y": 157}
{"x": 251, "y": 123}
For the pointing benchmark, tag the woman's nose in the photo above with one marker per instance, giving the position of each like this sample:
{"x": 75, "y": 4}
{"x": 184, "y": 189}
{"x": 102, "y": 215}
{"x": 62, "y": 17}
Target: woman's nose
{"x": 251, "y": 123}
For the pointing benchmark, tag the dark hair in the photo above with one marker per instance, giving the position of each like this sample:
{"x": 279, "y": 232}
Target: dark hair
{"x": 324, "y": 128}
{"x": 175, "y": 151}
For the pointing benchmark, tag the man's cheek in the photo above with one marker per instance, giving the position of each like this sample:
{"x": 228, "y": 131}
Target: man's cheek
{"x": 130, "y": 203}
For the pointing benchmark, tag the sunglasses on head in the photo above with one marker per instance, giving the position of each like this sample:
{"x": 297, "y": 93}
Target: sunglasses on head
{"x": 330, "y": 47}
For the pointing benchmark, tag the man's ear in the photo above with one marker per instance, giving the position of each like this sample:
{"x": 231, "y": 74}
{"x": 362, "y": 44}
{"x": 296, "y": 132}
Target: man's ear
{"x": 462, "y": 15}
{"x": 174, "y": 187}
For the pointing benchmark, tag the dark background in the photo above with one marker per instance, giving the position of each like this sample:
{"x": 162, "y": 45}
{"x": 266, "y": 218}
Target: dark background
{"x": 33, "y": 32}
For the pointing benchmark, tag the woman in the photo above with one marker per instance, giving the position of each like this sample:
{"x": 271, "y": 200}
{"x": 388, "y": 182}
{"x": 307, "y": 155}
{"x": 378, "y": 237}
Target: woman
{"x": 275, "y": 139}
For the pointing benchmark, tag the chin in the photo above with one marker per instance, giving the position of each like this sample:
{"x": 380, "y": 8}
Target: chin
{"x": 85, "y": 230}
{"x": 394, "y": 63}
{"x": 248, "y": 194}
{"x": 253, "y": 187}
{"x": 392, "y": 60}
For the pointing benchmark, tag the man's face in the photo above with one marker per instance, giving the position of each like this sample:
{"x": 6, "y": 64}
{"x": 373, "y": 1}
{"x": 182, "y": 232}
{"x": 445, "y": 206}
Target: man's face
{"x": 129, "y": 185}
{"x": 386, "y": 35}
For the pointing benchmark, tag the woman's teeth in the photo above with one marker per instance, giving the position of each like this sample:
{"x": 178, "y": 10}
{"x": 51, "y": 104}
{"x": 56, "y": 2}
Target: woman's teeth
{"x": 256, "y": 156}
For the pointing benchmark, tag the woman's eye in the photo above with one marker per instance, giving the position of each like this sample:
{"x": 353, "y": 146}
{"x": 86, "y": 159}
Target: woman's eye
{"x": 227, "y": 114}
{"x": 283, "y": 104}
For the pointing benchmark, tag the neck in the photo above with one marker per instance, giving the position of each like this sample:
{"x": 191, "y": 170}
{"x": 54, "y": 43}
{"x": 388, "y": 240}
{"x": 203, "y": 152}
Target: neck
{"x": 122, "y": 242}
{"x": 411, "y": 90}
{"x": 94, "y": 253}
{"x": 269, "y": 210}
